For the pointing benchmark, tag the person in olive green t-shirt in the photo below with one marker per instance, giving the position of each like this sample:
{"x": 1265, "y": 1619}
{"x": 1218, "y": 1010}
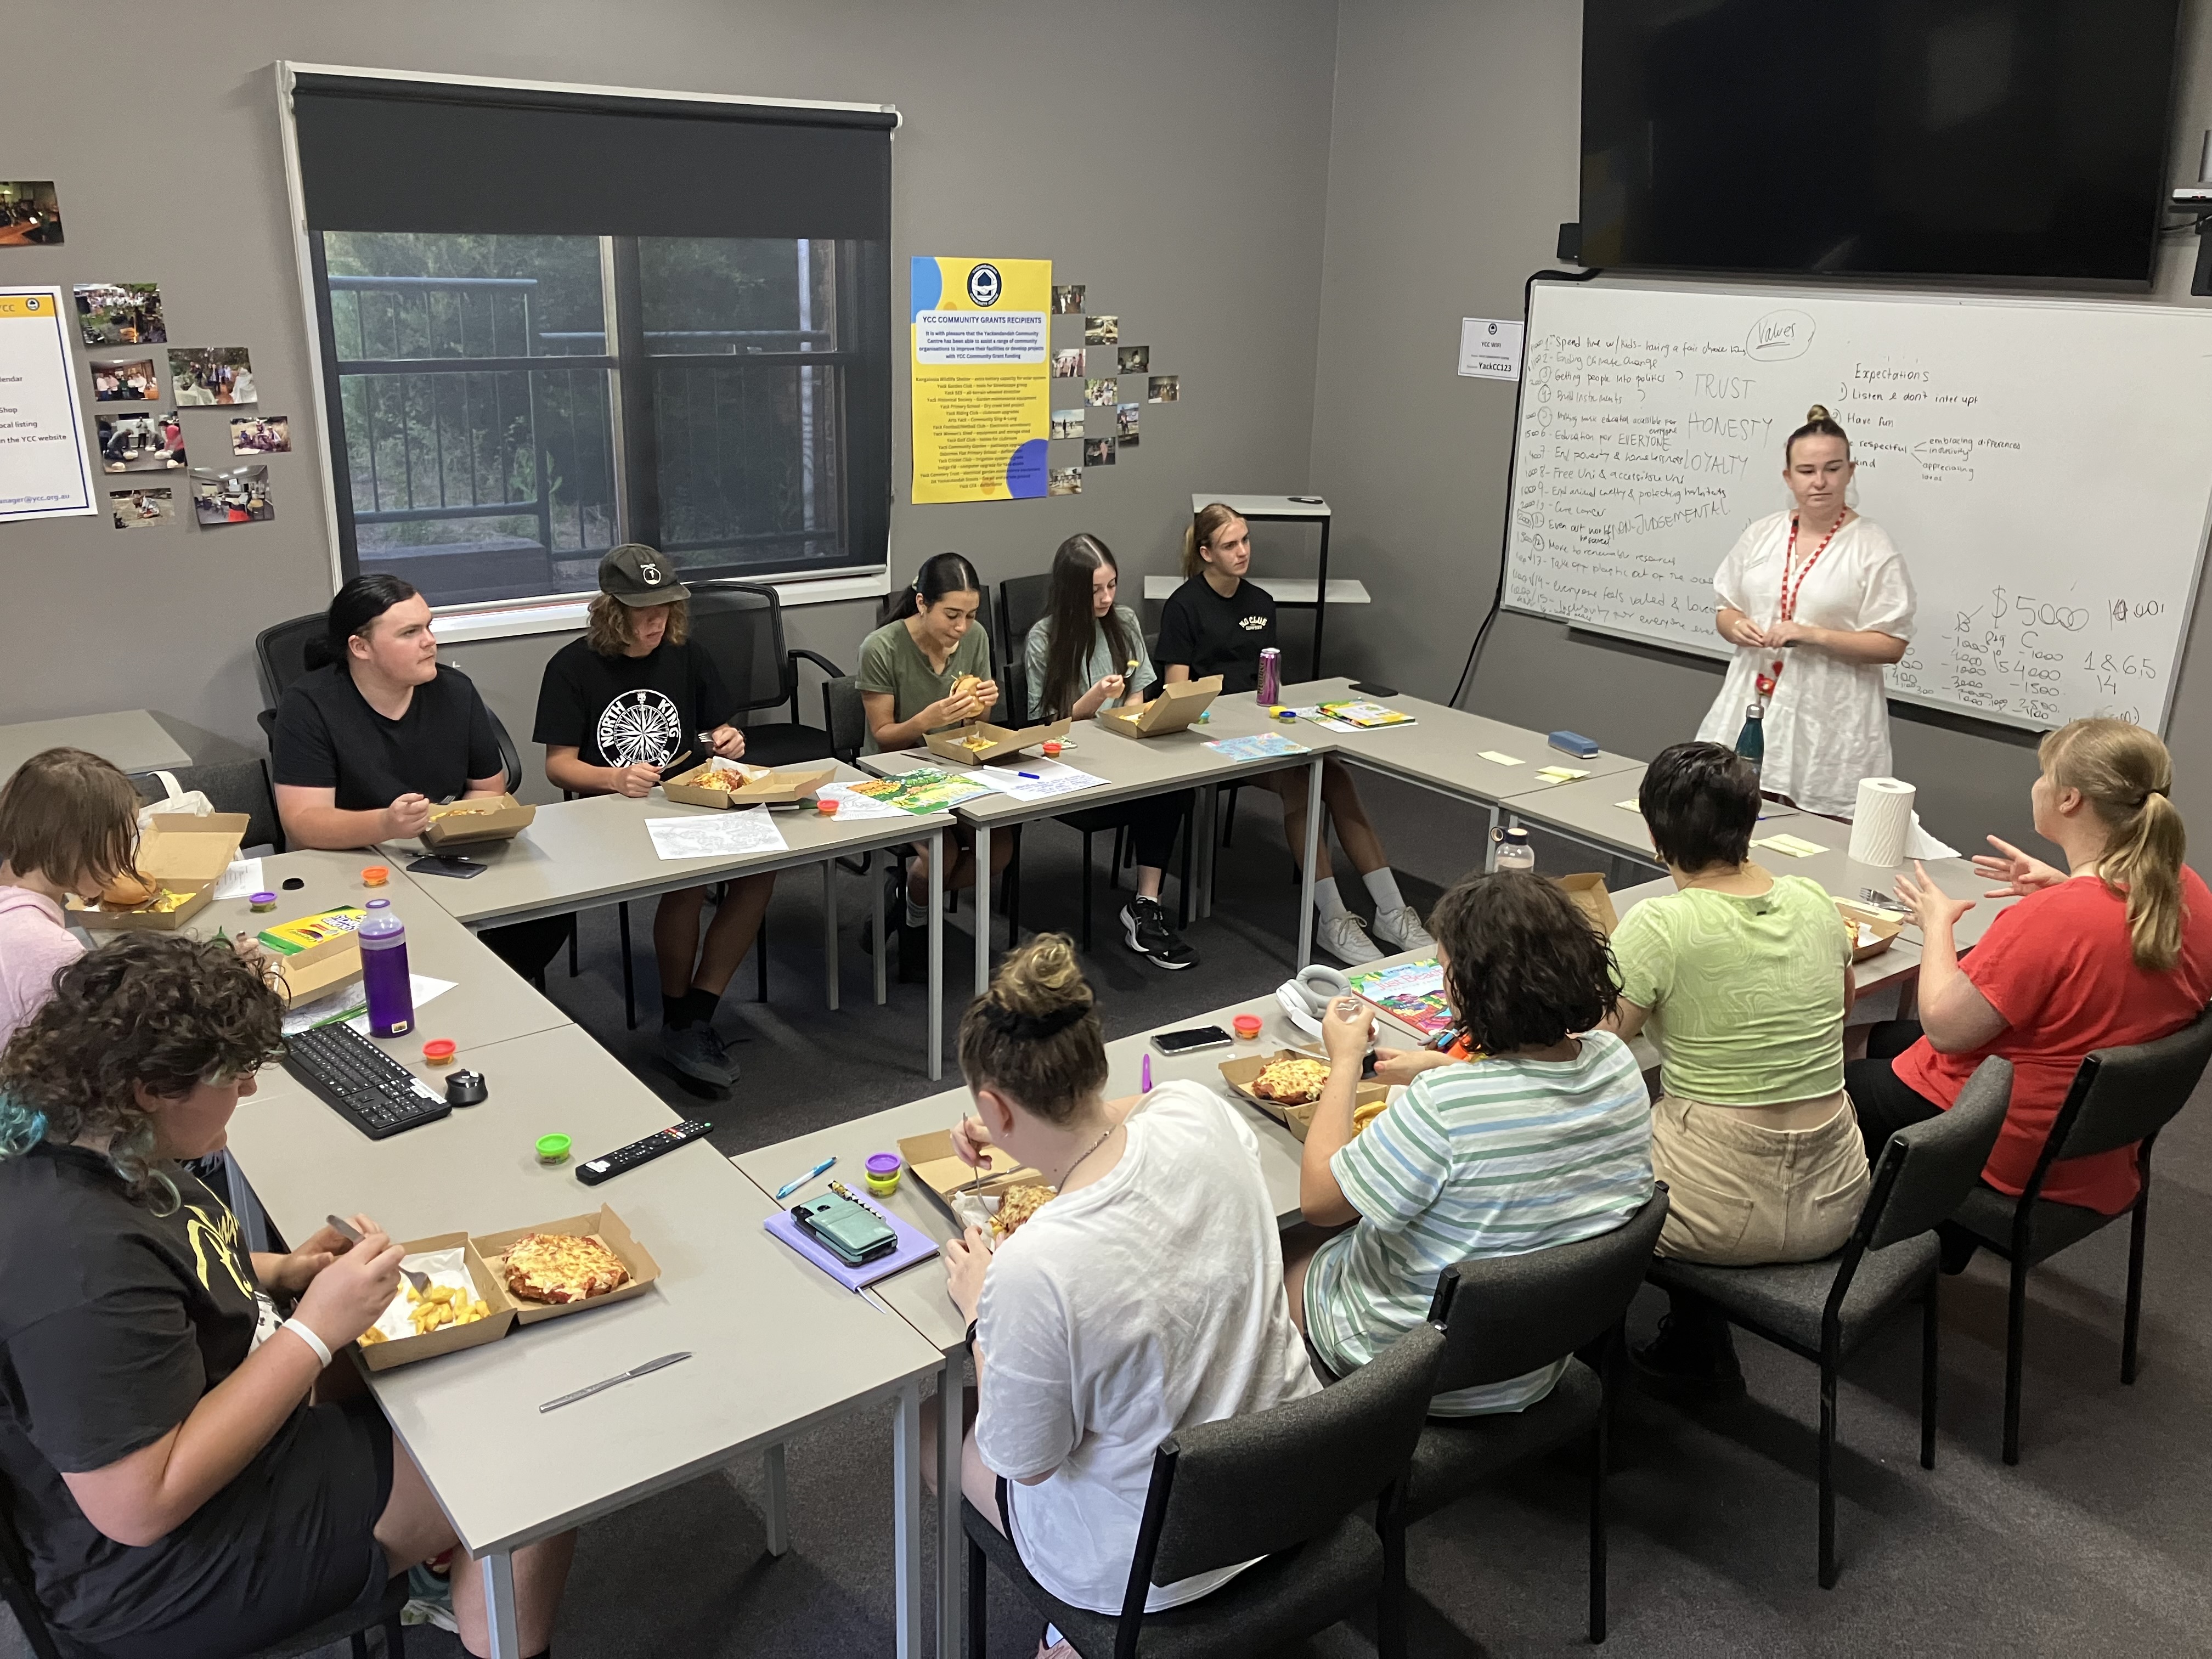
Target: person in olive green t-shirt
{"x": 1742, "y": 979}
{"x": 910, "y": 671}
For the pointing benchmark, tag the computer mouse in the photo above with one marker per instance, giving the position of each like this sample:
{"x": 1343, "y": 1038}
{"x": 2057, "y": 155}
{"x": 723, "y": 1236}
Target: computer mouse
{"x": 467, "y": 1088}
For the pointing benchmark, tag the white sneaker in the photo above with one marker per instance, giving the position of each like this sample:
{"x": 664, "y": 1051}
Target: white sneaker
{"x": 1345, "y": 938}
{"x": 1402, "y": 928}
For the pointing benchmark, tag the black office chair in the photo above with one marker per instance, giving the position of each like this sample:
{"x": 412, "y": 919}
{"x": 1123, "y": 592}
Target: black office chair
{"x": 2120, "y": 1097}
{"x": 238, "y": 786}
{"x": 1505, "y": 1315}
{"x": 741, "y": 626}
{"x": 280, "y": 653}
{"x": 1023, "y": 601}
{"x": 1823, "y": 1311}
{"x": 1286, "y": 1485}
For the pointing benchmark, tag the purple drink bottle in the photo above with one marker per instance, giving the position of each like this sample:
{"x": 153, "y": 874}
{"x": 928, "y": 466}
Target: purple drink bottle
{"x": 1270, "y": 676}
{"x": 383, "y": 972}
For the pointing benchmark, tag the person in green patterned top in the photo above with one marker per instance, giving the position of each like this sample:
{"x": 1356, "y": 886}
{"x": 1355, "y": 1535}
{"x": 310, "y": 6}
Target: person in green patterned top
{"x": 1546, "y": 1141}
{"x": 1742, "y": 979}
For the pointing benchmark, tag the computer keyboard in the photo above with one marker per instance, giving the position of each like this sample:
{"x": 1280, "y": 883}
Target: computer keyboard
{"x": 361, "y": 1083}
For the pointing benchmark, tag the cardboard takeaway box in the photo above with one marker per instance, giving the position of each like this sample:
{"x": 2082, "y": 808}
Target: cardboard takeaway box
{"x": 602, "y": 1224}
{"x": 187, "y": 854}
{"x": 1588, "y": 891}
{"x": 980, "y": 741}
{"x": 1872, "y": 931}
{"x": 938, "y": 1168}
{"x": 760, "y": 786}
{"x": 448, "y": 1339}
{"x": 1240, "y": 1074}
{"x": 467, "y": 822}
{"x": 317, "y": 953}
{"x": 1174, "y": 708}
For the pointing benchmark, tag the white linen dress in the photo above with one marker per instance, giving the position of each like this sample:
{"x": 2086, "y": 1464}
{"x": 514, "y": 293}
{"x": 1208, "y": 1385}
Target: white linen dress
{"x": 1827, "y": 724}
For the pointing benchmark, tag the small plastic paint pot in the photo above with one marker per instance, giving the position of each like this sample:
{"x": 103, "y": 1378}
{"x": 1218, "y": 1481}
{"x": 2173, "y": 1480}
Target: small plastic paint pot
{"x": 261, "y": 901}
{"x": 439, "y": 1051}
{"x": 1248, "y": 1027}
{"x": 827, "y": 806}
{"x": 883, "y": 1174}
{"x": 552, "y": 1149}
{"x": 1052, "y": 748}
{"x": 375, "y": 876}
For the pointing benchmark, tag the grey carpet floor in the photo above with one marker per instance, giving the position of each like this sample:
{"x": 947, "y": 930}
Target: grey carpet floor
{"x": 2100, "y": 1540}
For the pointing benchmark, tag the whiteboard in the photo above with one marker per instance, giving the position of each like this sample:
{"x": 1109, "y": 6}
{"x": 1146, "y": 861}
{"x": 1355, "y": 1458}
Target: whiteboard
{"x": 2045, "y": 467}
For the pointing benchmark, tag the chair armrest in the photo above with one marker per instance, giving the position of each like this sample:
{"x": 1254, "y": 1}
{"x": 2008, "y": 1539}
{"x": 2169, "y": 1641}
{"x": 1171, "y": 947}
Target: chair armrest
{"x": 817, "y": 659}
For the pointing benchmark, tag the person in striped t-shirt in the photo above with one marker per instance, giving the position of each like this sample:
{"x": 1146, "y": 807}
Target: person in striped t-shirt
{"x": 1546, "y": 1140}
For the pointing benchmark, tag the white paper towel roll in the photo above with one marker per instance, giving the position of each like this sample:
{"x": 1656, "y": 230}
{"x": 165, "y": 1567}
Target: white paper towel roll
{"x": 1883, "y": 819}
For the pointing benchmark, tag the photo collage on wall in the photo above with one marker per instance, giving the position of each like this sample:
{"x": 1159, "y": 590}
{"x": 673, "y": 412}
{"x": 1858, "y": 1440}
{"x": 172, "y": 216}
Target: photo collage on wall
{"x": 1097, "y": 424}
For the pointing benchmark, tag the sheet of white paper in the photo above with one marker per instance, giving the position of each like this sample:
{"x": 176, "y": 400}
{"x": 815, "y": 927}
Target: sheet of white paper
{"x": 241, "y": 880}
{"x": 1490, "y": 347}
{"x": 1050, "y": 778}
{"x": 716, "y": 834}
{"x": 350, "y": 1003}
{"x": 852, "y": 806}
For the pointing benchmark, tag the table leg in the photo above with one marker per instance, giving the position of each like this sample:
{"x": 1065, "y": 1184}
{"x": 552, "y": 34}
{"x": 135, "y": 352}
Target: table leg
{"x": 829, "y": 931}
{"x": 936, "y": 955}
{"x": 906, "y": 1541}
{"x": 983, "y": 908}
{"x": 1321, "y": 600}
{"x": 1490, "y": 847}
{"x": 1204, "y": 818}
{"x": 883, "y": 968}
{"x": 499, "y": 1605}
{"x": 779, "y": 1500}
{"x": 951, "y": 1549}
{"x": 1313, "y": 853}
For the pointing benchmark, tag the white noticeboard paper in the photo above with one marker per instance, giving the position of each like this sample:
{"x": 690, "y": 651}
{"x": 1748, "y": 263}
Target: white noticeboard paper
{"x": 1490, "y": 347}
{"x": 45, "y": 473}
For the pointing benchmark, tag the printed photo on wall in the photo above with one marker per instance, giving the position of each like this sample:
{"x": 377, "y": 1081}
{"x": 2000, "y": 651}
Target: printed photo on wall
{"x": 141, "y": 509}
{"x": 212, "y": 375}
{"x": 261, "y": 435}
{"x": 1068, "y": 365}
{"x": 1102, "y": 330}
{"x": 1101, "y": 394}
{"x": 120, "y": 313}
{"x": 125, "y": 380}
{"x": 1099, "y": 452}
{"x": 30, "y": 214}
{"x": 1064, "y": 481}
{"x": 237, "y": 494}
{"x": 1163, "y": 389}
{"x": 1067, "y": 301}
{"x": 1067, "y": 423}
{"x": 1125, "y": 424}
{"x": 1136, "y": 360}
{"x": 140, "y": 442}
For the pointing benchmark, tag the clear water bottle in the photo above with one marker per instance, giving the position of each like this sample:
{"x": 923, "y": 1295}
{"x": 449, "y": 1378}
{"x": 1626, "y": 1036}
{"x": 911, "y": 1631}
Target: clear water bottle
{"x": 1514, "y": 852}
{"x": 1270, "y": 676}
{"x": 384, "y": 971}
{"x": 1751, "y": 741}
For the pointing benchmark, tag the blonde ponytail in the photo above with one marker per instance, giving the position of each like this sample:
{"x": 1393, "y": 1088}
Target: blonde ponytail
{"x": 1206, "y": 524}
{"x": 1035, "y": 1035}
{"x": 2125, "y": 774}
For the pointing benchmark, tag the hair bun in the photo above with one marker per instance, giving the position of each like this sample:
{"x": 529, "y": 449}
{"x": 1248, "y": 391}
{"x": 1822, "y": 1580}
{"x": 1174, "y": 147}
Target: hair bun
{"x": 1817, "y": 412}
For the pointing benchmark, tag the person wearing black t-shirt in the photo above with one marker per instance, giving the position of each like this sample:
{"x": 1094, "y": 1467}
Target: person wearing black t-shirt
{"x": 1217, "y": 623}
{"x": 178, "y": 1495}
{"x": 618, "y": 708}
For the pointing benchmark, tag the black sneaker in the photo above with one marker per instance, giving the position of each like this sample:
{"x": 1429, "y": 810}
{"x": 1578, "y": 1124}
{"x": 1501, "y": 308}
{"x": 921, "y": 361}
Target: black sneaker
{"x": 1690, "y": 1359}
{"x": 698, "y": 1053}
{"x": 1145, "y": 924}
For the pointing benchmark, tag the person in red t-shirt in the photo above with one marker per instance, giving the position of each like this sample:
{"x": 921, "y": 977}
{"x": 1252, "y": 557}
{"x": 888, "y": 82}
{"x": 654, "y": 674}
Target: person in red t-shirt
{"x": 2114, "y": 949}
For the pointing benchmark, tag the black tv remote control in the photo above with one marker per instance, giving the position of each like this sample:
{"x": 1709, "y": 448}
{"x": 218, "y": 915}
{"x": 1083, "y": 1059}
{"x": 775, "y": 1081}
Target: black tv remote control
{"x": 608, "y": 1165}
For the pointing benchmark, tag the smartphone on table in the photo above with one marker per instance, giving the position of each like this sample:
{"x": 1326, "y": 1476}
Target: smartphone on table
{"x": 1191, "y": 1039}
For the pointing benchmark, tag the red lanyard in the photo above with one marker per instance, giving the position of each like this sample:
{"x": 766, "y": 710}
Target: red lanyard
{"x": 1790, "y": 589}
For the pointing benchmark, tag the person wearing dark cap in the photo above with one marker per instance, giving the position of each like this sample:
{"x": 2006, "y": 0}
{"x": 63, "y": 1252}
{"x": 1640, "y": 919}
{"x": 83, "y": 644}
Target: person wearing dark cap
{"x": 616, "y": 709}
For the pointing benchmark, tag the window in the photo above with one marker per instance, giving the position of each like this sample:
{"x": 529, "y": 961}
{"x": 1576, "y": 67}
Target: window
{"x": 506, "y": 404}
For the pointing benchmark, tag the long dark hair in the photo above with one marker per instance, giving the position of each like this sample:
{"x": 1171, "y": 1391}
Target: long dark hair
{"x": 358, "y": 605}
{"x": 1071, "y": 627}
{"x": 940, "y": 573}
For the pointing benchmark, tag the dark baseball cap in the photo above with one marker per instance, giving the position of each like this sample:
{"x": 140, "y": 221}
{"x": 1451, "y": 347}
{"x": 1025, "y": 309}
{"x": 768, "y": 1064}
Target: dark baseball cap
{"x": 637, "y": 574}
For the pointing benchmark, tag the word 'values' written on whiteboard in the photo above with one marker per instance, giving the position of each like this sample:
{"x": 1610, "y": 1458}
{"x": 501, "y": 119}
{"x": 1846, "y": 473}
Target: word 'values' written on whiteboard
{"x": 43, "y": 470}
{"x": 2045, "y": 467}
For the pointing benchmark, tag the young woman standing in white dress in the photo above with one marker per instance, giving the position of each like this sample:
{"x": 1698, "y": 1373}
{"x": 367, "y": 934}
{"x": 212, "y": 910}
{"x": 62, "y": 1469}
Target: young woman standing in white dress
{"x": 1816, "y": 601}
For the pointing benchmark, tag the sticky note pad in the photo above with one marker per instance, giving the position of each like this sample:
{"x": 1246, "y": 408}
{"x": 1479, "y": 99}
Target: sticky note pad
{"x": 1500, "y": 759}
{"x": 1795, "y": 846}
{"x": 1629, "y": 806}
{"x": 1559, "y": 773}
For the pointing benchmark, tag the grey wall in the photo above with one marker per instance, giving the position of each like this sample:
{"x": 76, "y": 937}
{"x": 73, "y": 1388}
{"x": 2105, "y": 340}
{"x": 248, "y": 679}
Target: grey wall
{"x": 1170, "y": 156}
{"x": 1452, "y": 162}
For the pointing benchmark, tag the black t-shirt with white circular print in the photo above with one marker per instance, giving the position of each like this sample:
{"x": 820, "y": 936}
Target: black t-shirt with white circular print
{"x": 629, "y": 711}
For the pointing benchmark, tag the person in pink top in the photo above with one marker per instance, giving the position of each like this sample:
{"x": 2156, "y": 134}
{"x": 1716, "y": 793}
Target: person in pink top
{"x": 69, "y": 823}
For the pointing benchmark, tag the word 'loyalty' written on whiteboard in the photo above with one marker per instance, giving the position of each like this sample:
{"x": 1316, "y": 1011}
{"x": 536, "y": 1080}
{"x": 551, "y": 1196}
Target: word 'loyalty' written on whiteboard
{"x": 2043, "y": 467}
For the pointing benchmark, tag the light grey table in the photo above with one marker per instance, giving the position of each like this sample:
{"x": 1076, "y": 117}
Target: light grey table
{"x": 736, "y": 1299}
{"x": 131, "y": 739}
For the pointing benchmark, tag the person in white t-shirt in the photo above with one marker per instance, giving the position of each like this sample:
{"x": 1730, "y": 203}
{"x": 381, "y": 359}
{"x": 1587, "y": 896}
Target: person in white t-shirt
{"x": 1146, "y": 1296}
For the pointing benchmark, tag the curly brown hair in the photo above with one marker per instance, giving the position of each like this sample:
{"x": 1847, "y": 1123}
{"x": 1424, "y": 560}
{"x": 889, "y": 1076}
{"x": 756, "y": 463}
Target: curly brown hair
{"x": 163, "y": 1010}
{"x": 1526, "y": 968}
{"x": 607, "y": 624}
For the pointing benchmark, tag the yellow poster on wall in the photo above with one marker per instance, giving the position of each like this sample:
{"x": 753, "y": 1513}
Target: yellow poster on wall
{"x": 982, "y": 402}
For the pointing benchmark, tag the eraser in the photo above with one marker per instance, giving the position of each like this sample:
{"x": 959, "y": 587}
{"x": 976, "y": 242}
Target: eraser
{"x": 1575, "y": 743}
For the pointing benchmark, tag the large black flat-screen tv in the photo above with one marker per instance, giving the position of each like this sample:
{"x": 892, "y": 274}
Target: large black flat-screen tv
{"x": 2019, "y": 139}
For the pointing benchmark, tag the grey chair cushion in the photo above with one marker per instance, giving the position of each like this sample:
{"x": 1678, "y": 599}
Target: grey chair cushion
{"x": 1987, "y": 1213}
{"x": 1789, "y": 1299}
{"x": 785, "y": 744}
{"x": 1283, "y": 1598}
{"x": 340, "y": 1625}
{"x": 1457, "y": 1454}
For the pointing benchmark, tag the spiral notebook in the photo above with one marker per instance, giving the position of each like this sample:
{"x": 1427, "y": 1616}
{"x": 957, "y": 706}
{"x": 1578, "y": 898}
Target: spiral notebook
{"x": 914, "y": 1245}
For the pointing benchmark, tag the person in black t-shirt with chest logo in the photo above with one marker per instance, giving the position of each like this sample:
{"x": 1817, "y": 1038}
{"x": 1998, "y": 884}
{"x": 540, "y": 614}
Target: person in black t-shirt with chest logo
{"x": 618, "y": 708}
{"x": 1217, "y": 622}
{"x": 177, "y": 1492}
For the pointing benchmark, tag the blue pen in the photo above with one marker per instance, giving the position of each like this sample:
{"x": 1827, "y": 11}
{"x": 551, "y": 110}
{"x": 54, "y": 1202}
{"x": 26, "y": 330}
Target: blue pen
{"x": 1029, "y": 775}
{"x": 791, "y": 1186}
